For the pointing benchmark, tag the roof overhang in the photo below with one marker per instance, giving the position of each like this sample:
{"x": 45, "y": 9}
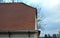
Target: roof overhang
{"x": 18, "y": 31}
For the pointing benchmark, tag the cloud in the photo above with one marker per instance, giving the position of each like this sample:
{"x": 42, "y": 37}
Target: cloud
{"x": 50, "y": 13}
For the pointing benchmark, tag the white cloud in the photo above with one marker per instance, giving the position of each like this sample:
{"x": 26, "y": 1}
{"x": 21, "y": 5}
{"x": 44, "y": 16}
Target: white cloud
{"x": 50, "y": 3}
{"x": 33, "y": 3}
{"x": 49, "y": 8}
{"x": 51, "y": 11}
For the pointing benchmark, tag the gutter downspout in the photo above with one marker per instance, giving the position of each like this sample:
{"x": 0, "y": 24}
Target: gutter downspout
{"x": 9, "y": 34}
{"x": 28, "y": 34}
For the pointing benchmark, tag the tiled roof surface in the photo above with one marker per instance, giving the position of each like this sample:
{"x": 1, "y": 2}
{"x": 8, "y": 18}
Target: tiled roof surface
{"x": 17, "y": 16}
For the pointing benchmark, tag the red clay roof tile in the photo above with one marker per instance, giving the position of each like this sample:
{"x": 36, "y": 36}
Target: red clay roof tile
{"x": 17, "y": 16}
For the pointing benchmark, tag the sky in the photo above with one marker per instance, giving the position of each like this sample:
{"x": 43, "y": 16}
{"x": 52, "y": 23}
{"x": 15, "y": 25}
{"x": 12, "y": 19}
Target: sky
{"x": 49, "y": 12}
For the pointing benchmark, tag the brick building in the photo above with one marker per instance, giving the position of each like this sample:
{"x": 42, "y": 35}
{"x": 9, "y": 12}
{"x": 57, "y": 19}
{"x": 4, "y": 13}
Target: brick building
{"x": 18, "y": 20}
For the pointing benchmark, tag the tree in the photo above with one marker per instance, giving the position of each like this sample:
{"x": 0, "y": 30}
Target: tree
{"x": 54, "y": 36}
{"x": 49, "y": 36}
{"x": 40, "y": 23}
{"x": 46, "y": 36}
{"x": 12, "y": 0}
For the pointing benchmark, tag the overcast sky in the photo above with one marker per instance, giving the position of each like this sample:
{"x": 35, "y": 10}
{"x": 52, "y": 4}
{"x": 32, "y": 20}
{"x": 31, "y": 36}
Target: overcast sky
{"x": 50, "y": 13}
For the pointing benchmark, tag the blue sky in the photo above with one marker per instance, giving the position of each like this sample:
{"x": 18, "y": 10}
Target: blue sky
{"x": 49, "y": 12}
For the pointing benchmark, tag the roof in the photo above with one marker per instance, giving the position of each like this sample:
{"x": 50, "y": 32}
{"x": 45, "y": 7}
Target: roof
{"x": 17, "y": 16}
{"x": 2, "y": 31}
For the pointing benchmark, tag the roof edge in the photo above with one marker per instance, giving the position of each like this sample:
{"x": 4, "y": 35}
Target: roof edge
{"x": 18, "y": 30}
{"x": 19, "y": 3}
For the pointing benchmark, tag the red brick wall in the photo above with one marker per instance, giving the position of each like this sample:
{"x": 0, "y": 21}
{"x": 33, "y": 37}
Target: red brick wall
{"x": 17, "y": 16}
